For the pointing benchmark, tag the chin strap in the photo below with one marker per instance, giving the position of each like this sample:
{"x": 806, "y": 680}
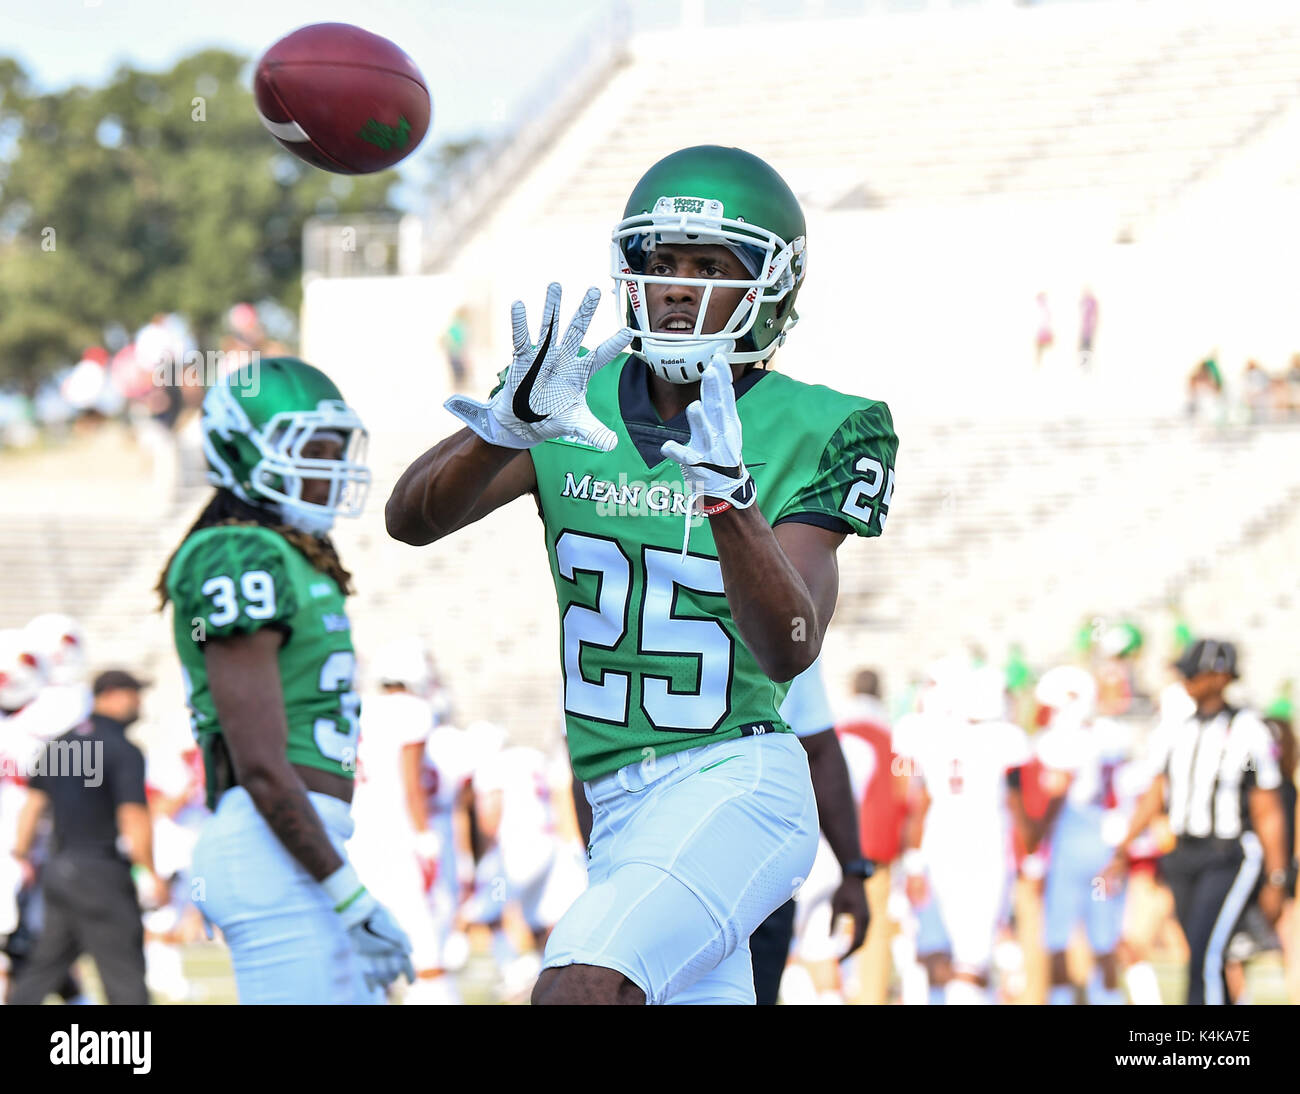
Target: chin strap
{"x": 683, "y": 362}
{"x": 313, "y": 524}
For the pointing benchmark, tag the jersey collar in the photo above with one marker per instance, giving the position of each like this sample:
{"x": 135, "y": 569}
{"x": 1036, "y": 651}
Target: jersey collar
{"x": 644, "y": 426}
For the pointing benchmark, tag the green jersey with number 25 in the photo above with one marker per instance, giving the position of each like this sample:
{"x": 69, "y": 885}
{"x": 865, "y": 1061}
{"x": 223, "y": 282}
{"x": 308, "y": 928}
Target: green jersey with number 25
{"x": 235, "y": 579}
{"x": 652, "y": 660}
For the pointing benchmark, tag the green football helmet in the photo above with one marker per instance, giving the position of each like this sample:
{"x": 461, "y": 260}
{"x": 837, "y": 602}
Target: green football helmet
{"x": 257, "y": 419}
{"x": 722, "y": 196}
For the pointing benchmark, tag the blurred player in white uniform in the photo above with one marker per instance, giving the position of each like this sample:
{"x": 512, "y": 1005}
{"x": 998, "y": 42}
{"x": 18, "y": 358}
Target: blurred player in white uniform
{"x": 523, "y": 859}
{"x": 396, "y": 851}
{"x": 921, "y": 949}
{"x": 968, "y": 766}
{"x": 1080, "y": 755}
{"x": 22, "y": 676}
{"x": 59, "y": 640}
{"x": 446, "y": 771}
{"x": 174, "y": 786}
{"x": 1148, "y": 903}
{"x": 43, "y": 694}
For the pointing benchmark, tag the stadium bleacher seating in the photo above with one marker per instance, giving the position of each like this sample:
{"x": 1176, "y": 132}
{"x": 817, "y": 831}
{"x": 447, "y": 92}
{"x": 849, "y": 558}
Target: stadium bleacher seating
{"x": 1011, "y": 522}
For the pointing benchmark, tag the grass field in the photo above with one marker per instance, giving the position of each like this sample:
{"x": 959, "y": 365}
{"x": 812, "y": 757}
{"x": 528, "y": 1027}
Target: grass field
{"x": 207, "y": 967}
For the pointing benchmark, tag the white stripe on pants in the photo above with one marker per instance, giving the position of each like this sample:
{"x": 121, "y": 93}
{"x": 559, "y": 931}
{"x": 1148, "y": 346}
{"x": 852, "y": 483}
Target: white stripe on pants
{"x": 1233, "y": 905}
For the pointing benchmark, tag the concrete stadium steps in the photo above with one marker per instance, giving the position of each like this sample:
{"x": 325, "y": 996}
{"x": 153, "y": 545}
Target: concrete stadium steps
{"x": 70, "y": 563}
{"x": 1250, "y": 593}
{"x": 1025, "y": 562}
{"x": 902, "y": 112}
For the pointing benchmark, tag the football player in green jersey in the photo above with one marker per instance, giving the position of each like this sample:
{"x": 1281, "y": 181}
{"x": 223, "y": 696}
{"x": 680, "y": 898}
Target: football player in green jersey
{"x": 260, "y": 626}
{"x": 676, "y": 656}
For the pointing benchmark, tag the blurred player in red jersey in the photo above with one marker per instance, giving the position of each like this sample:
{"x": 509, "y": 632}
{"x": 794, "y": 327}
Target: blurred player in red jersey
{"x": 880, "y": 789}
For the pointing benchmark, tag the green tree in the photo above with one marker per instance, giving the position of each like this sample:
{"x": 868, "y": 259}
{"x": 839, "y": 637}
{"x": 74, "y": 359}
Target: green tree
{"x": 157, "y": 192}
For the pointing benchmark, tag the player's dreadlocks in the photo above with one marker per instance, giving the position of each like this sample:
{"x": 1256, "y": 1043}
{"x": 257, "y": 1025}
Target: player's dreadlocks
{"x": 226, "y": 508}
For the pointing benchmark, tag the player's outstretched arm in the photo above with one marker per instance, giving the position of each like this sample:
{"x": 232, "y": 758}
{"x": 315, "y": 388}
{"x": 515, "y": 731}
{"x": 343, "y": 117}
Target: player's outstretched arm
{"x": 1149, "y": 806}
{"x": 543, "y": 395}
{"x": 459, "y": 480}
{"x": 838, "y": 815}
{"x": 782, "y": 583}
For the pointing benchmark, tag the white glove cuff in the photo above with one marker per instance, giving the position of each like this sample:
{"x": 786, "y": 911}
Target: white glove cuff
{"x": 343, "y": 887}
{"x": 479, "y": 418}
{"x": 913, "y": 862}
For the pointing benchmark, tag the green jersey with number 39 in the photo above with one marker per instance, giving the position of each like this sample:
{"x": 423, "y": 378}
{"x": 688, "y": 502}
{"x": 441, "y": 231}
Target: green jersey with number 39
{"x": 235, "y": 579}
{"x": 652, "y": 660}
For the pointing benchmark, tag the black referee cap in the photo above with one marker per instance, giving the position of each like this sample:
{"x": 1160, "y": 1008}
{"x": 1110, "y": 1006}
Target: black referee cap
{"x": 1208, "y": 655}
{"x": 114, "y": 679}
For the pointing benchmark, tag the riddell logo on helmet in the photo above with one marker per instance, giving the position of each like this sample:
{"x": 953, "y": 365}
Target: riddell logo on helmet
{"x": 633, "y": 297}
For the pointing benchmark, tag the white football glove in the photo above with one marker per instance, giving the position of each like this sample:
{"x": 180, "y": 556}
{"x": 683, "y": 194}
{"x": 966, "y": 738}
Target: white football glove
{"x": 382, "y": 945}
{"x": 711, "y": 463}
{"x": 545, "y": 391}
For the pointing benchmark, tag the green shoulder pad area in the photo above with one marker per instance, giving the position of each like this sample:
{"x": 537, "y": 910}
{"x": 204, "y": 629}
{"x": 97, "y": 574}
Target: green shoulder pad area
{"x": 234, "y": 579}
{"x": 853, "y": 483}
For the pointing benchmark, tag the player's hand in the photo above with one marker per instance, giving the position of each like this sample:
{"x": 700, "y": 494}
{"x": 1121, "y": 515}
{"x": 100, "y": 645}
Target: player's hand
{"x": 1270, "y": 902}
{"x": 544, "y": 395}
{"x": 1115, "y": 870}
{"x": 150, "y": 890}
{"x": 851, "y": 899}
{"x": 382, "y": 945}
{"x": 711, "y": 463}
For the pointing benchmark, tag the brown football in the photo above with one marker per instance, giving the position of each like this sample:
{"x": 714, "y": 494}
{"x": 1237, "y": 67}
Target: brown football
{"x": 342, "y": 99}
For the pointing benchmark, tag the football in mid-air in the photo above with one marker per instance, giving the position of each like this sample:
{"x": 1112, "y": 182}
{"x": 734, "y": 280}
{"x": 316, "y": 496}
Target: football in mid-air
{"x": 342, "y": 99}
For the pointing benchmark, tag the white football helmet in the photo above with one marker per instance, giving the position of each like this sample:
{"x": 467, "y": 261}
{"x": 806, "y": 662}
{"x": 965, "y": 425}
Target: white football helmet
{"x": 941, "y": 688}
{"x": 60, "y": 640}
{"x": 1070, "y": 692}
{"x": 405, "y": 661}
{"x": 22, "y": 671}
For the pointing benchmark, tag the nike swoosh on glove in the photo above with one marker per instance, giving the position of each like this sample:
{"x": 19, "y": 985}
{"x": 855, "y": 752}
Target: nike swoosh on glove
{"x": 711, "y": 463}
{"x": 382, "y": 945}
{"x": 544, "y": 395}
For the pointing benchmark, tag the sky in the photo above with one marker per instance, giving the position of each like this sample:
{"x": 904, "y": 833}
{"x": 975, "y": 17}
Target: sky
{"x": 479, "y": 57}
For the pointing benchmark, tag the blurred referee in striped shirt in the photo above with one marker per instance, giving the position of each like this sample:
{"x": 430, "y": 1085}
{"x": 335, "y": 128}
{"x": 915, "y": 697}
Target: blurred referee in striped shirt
{"x": 1216, "y": 774}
